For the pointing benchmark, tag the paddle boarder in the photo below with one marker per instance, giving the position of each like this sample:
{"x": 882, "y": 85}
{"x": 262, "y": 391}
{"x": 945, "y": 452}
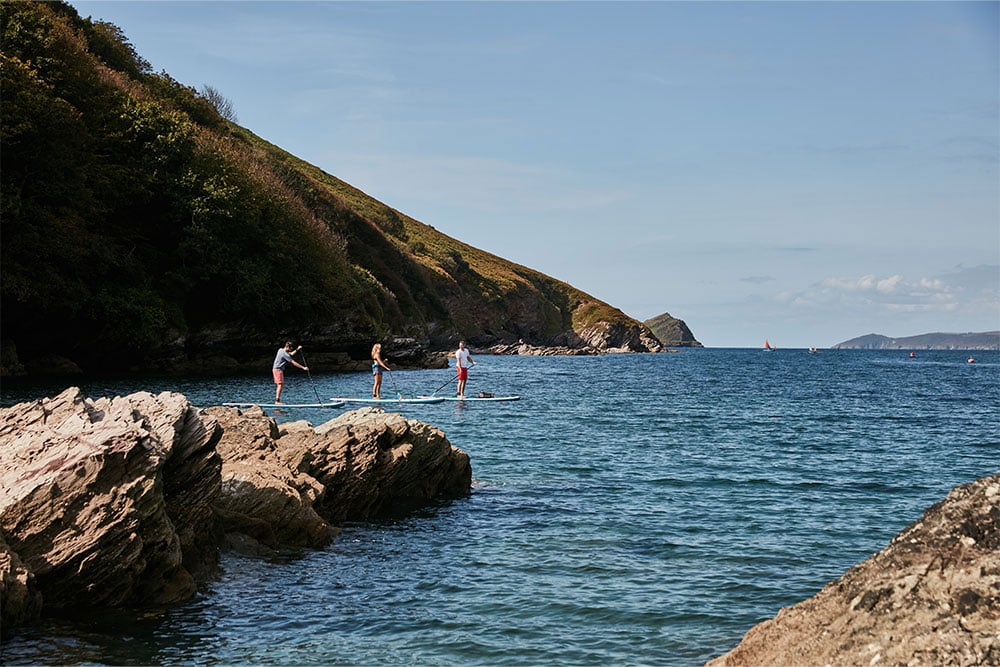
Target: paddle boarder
{"x": 282, "y": 359}
{"x": 377, "y": 366}
{"x": 463, "y": 360}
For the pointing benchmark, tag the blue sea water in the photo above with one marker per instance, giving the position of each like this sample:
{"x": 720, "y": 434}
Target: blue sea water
{"x": 629, "y": 510}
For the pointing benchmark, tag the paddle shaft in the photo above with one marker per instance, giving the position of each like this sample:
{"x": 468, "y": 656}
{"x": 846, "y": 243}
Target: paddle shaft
{"x": 448, "y": 382}
{"x": 306, "y": 364}
{"x": 393, "y": 378}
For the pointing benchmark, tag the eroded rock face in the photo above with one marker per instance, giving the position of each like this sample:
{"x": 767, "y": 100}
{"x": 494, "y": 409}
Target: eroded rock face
{"x": 931, "y": 597}
{"x": 375, "y": 464}
{"x": 108, "y": 502}
{"x": 264, "y": 503}
{"x": 288, "y": 485}
{"x": 20, "y": 599}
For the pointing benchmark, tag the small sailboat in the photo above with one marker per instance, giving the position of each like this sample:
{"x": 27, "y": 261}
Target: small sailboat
{"x": 767, "y": 346}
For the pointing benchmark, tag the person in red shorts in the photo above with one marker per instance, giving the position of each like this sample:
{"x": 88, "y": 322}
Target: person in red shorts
{"x": 282, "y": 359}
{"x": 463, "y": 361}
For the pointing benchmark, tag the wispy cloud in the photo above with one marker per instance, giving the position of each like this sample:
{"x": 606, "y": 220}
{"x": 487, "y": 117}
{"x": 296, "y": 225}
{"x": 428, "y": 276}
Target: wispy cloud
{"x": 976, "y": 288}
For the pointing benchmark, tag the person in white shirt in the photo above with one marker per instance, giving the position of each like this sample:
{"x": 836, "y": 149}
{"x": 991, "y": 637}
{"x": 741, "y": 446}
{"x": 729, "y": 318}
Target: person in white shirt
{"x": 463, "y": 360}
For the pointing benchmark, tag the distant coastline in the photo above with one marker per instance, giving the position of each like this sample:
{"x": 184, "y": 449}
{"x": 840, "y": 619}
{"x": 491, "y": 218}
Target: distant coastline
{"x": 989, "y": 340}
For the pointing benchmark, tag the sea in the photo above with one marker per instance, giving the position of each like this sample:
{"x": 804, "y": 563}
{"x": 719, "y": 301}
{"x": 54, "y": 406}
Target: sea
{"x": 627, "y": 510}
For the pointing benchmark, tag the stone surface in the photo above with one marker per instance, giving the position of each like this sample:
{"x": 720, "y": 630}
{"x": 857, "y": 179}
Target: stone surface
{"x": 108, "y": 502}
{"x": 375, "y": 464}
{"x": 931, "y": 597}
{"x": 20, "y": 599}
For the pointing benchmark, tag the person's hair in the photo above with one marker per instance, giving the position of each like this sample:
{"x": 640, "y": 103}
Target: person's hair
{"x": 377, "y": 347}
{"x": 289, "y": 343}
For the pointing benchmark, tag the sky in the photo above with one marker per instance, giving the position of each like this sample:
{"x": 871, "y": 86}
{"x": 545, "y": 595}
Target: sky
{"x": 802, "y": 172}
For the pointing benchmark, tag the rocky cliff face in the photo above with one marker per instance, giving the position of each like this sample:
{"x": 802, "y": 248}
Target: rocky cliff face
{"x": 671, "y": 331}
{"x": 931, "y": 597}
{"x": 126, "y": 502}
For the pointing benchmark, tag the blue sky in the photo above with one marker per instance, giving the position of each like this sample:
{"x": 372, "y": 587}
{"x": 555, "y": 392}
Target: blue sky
{"x": 802, "y": 172}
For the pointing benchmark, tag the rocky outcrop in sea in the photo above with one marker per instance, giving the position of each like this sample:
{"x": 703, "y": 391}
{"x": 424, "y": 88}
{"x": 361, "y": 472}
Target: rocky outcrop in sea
{"x": 126, "y": 502}
{"x": 931, "y": 597}
{"x": 672, "y": 331}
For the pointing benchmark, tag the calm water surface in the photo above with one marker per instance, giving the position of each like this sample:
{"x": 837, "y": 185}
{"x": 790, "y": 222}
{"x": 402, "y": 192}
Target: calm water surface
{"x": 629, "y": 510}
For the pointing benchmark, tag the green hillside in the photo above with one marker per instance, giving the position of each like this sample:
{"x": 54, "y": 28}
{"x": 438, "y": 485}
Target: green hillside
{"x": 142, "y": 230}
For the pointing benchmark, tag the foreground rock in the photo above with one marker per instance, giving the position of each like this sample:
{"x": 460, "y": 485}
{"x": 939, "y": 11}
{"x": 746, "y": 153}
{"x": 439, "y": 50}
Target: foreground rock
{"x": 932, "y": 597}
{"x": 108, "y": 502}
{"x": 126, "y": 502}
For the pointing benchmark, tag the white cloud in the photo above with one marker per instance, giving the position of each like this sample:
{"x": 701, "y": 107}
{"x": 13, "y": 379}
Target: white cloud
{"x": 965, "y": 289}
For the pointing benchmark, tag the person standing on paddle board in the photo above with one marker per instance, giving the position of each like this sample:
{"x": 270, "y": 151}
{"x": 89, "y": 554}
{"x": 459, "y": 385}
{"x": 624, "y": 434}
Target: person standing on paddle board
{"x": 377, "y": 366}
{"x": 282, "y": 359}
{"x": 463, "y": 360}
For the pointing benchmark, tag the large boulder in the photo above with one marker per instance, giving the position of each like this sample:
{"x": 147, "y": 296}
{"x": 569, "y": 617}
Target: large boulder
{"x": 931, "y": 597}
{"x": 108, "y": 502}
{"x": 288, "y": 485}
{"x": 265, "y": 504}
{"x": 374, "y": 464}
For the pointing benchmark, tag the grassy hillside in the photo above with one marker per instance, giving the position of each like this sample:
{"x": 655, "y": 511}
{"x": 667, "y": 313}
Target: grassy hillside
{"x": 143, "y": 230}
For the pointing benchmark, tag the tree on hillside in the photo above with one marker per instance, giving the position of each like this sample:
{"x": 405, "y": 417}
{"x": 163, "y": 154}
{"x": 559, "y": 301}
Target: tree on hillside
{"x": 221, "y": 104}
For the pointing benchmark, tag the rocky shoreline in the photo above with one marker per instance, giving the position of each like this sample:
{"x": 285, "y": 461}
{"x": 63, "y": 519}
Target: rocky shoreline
{"x": 127, "y": 502}
{"x": 931, "y": 597}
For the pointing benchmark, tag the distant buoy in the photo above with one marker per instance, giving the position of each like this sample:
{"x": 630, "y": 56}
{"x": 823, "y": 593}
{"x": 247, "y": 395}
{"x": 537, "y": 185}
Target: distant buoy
{"x": 971, "y": 360}
{"x": 912, "y": 355}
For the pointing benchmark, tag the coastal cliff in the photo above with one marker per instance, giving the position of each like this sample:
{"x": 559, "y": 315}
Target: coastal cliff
{"x": 931, "y": 597}
{"x": 138, "y": 218}
{"x": 126, "y": 502}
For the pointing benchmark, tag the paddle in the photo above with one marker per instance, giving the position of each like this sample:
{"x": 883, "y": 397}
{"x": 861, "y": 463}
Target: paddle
{"x": 448, "y": 382}
{"x": 306, "y": 364}
{"x": 391, "y": 377}
{"x": 444, "y": 385}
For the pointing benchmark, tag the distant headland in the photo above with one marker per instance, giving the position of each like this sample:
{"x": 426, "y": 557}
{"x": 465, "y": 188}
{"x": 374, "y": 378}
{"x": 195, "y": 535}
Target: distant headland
{"x": 989, "y": 340}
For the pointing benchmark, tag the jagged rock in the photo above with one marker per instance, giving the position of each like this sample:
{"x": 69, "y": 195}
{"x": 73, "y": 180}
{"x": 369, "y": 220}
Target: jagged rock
{"x": 931, "y": 597}
{"x": 264, "y": 504}
{"x": 108, "y": 502}
{"x": 375, "y": 464}
{"x": 619, "y": 337}
{"x": 20, "y": 600}
{"x": 285, "y": 486}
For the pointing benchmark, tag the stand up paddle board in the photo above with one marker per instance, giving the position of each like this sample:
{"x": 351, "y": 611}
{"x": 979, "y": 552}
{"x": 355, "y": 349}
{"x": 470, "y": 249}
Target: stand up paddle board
{"x": 479, "y": 399}
{"x": 392, "y": 401}
{"x": 329, "y": 404}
